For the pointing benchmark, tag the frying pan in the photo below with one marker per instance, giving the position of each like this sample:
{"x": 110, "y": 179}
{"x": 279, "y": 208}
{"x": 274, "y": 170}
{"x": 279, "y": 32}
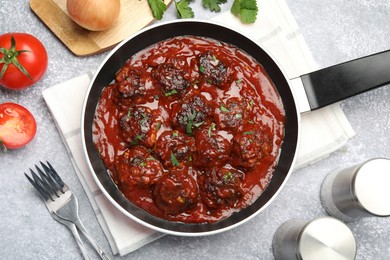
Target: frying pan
{"x": 316, "y": 89}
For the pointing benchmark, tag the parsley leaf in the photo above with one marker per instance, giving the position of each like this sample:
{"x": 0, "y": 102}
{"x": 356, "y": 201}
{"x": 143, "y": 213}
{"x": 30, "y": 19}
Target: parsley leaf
{"x": 213, "y": 5}
{"x": 224, "y": 109}
{"x": 174, "y": 160}
{"x": 246, "y": 10}
{"x": 158, "y": 8}
{"x": 183, "y": 10}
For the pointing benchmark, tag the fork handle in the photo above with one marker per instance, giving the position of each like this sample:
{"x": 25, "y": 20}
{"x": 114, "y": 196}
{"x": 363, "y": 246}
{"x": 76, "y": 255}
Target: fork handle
{"x": 95, "y": 245}
{"x": 76, "y": 236}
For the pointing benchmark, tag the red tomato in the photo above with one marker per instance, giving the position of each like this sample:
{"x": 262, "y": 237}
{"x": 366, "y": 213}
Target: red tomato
{"x": 25, "y": 59}
{"x": 17, "y": 125}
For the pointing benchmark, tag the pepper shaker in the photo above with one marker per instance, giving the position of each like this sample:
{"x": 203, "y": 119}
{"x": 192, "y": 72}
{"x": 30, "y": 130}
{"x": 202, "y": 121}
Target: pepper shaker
{"x": 359, "y": 191}
{"x": 320, "y": 239}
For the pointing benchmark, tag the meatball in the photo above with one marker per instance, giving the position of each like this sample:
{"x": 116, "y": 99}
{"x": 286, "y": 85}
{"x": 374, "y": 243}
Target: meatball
{"x": 171, "y": 79}
{"x": 174, "y": 148}
{"x": 129, "y": 83}
{"x": 138, "y": 125}
{"x": 212, "y": 148}
{"x": 176, "y": 192}
{"x": 230, "y": 115}
{"x": 221, "y": 187}
{"x": 192, "y": 112}
{"x": 136, "y": 167}
{"x": 213, "y": 70}
{"x": 251, "y": 145}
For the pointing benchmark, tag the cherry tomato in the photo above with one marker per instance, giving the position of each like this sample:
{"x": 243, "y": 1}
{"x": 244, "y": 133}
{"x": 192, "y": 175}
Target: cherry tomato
{"x": 17, "y": 125}
{"x": 23, "y": 60}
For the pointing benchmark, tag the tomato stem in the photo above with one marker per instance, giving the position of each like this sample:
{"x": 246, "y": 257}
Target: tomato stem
{"x": 11, "y": 56}
{"x": 2, "y": 146}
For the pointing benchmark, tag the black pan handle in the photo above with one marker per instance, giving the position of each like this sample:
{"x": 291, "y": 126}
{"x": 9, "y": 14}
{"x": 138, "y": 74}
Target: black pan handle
{"x": 332, "y": 84}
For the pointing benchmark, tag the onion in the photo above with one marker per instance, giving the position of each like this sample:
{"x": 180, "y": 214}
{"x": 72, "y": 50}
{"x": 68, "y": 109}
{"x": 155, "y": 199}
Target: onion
{"x": 94, "y": 15}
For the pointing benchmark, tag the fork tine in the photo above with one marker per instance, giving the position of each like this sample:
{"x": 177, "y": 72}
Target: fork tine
{"x": 53, "y": 173}
{"x": 48, "y": 183}
{"x": 38, "y": 186}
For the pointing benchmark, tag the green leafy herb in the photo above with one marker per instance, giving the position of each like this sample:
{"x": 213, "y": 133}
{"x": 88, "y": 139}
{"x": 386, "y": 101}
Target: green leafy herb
{"x": 246, "y": 10}
{"x": 142, "y": 164}
{"x": 158, "y": 8}
{"x": 213, "y": 5}
{"x": 144, "y": 118}
{"x": 249, "y": 133}
{"x": 228, "y": 176}
{"x": 129, "y": 112}
{"x": 211, "y": 128}
{"x": 238, "y": 116}
{"x": 190, "y": 123}
{"x": 170, "y": 93}
{"x": 174, "y": 160}
{"x": 251, "y": 103}
{"x": 175, "y": 134}
{"x": 136, "y": 139}
{"x": 201, "y": 69}
{"x": 158, "y": 126}
{"x": 224, "y": 109}
{"x": 183, "y": 10}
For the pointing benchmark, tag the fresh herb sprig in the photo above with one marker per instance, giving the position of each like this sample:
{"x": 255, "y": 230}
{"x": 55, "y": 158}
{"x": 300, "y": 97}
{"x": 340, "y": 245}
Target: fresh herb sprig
{"x": 245, "y": 10}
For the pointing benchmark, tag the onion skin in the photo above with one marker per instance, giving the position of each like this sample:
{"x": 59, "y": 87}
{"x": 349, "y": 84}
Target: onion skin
{"x": 94, "y": 15}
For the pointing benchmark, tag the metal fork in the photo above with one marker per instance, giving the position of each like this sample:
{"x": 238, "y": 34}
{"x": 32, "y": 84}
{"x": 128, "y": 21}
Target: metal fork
{"x": 62, "y": 204}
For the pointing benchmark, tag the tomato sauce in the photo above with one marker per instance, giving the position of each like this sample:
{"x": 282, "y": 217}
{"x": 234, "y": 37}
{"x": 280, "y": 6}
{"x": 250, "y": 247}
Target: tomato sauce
{"x": 190, "y": 129}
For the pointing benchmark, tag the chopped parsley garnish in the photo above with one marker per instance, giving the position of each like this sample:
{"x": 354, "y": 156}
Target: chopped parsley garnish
{"x": 201, "y": 69}
{"x": 158, "y": 126}
{"x": 170, "y": 93}
{"x": 144, "y": 118}
{"x": 136, "y": 139}
{"x": 142, "y": 164}
{"x": 174, "y": 160}
{"x": 224, "y": 109}
{"x": 239, "y": 116}
{"x": 129, "y": 112}
{"x": 190, "y": 123}
{"x": 211, "y": 128}
{"x": 198, "y": 124}
{"x": 249, "y": 133}
{"x": 228, "y": 176}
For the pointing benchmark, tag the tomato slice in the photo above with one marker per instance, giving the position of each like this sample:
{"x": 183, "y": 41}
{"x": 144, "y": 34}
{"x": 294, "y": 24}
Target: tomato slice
{"x": 17, "y": 125}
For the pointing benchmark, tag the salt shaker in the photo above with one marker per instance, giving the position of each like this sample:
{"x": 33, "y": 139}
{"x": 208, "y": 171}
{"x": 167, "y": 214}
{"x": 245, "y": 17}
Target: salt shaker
{"x": 359, "y": 191}
{"x": 320, "y": 239}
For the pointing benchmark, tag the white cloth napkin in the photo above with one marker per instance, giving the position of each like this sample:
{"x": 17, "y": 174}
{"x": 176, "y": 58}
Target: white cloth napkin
{"x": 323, "y": 131}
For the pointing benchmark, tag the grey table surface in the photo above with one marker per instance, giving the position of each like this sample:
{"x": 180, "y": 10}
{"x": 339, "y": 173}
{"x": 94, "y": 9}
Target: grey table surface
{"x": 335, "y": 30}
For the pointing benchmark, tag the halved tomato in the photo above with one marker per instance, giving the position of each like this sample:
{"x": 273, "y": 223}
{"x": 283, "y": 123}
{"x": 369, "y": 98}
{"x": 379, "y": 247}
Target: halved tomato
{"x": 17, "y": 125}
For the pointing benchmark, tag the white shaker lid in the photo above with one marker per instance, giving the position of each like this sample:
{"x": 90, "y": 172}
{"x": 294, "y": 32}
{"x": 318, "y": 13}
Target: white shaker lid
{"x": 327, "y": 238}
{"x": 372, "y": 186}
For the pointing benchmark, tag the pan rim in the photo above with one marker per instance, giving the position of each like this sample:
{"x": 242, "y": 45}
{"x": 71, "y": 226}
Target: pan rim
{"x": 135, "y": 218}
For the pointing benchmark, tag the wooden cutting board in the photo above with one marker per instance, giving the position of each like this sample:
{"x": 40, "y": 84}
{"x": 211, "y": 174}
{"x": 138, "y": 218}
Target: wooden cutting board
{"x": 134, "y": 15}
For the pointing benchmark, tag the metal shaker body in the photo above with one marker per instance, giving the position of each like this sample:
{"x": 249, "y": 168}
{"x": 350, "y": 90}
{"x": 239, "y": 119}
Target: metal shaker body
{"x": 358, "y": 191}
{"x": 321, "y": 239}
